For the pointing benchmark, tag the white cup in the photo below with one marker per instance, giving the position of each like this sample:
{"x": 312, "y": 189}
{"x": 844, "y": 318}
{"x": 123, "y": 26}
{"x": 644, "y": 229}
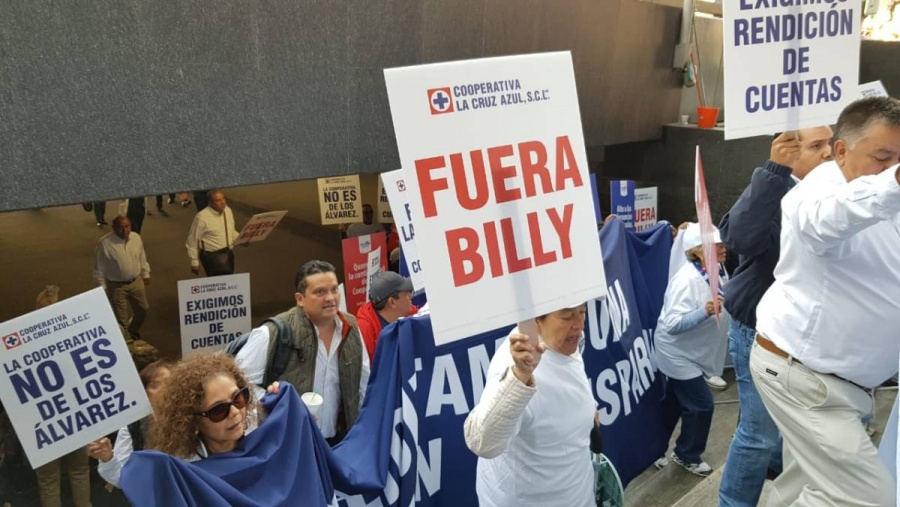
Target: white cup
{"x": 684, "y": 119}
{"x": 313, "y": 402}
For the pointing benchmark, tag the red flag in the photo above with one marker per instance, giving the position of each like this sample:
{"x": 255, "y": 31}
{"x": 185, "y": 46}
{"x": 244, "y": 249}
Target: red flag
{"x": 707, "y": 229}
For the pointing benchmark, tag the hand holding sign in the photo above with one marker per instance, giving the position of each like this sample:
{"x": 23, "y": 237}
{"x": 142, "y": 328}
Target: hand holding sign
{"x": 526, "y": 355}
{"x": 786, "y": 149}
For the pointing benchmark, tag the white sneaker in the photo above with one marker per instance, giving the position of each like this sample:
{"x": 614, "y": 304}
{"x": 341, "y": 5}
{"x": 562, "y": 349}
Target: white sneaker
{"x": 716, "y": 382}
{"x": 702, "y": 469}
{"x": 661, "y": 462}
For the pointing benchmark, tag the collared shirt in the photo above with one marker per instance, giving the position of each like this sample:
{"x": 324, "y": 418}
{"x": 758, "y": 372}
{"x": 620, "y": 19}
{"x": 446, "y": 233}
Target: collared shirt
{"x": 252, "y": 358}
{"x": 117, "y": 260}
{"x": 209, "y": 232}
{"x": 834, "y": 305}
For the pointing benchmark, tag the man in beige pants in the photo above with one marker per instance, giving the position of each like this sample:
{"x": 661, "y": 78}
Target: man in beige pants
{"x": 828, "y": 325}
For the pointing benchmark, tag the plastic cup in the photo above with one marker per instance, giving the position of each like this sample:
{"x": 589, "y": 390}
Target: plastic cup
{"x": 685, "y": 119}
{"x": 707, "y": 116}
{"x": 313, "y": 402}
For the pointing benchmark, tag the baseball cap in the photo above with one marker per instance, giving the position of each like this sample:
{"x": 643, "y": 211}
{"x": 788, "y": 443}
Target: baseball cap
{"x": 385, "y": 283}
{"x": 692, "y": 236}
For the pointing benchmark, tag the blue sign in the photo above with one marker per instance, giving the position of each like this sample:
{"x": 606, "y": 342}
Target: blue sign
{"x": 621, "y": 199}
{"x": 598, "y": 214}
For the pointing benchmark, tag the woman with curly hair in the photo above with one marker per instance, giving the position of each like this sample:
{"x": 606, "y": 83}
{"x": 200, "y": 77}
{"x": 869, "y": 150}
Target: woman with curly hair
{"x": 203, "y": 408}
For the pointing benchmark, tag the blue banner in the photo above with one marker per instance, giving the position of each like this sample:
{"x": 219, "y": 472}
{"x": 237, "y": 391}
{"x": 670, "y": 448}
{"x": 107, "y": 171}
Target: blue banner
{"x": 407, "y": 446}
{"x": 621, "y": 201}
{"x": 432, "y": 389}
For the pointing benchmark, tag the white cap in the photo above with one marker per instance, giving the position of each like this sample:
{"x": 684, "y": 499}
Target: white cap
{"x": 692, "y": 237}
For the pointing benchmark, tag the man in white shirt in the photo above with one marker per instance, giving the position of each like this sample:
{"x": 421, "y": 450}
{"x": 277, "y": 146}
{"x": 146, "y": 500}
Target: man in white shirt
{"x": 367, "y": 226}
{"x": 120, "y": 266}
{"x": 212, "y": 236}
{"x": 828, "y": 325}
{"x": 339, "y": 370}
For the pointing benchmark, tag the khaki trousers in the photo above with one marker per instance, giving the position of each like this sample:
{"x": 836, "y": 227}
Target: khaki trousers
{"x": 129, "y": 300}
{"x": 829, "y": 459}
{"x": 48, "y": 479}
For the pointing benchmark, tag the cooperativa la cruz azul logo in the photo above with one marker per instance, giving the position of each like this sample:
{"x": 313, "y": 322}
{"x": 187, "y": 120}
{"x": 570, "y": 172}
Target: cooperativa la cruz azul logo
{"x": 12, "y": 341}
{"x": 401, "y": 185}
{"x": 440, "y": 100}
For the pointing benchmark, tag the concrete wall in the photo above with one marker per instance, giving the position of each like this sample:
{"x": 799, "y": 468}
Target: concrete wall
{"x": 108, "y": 99}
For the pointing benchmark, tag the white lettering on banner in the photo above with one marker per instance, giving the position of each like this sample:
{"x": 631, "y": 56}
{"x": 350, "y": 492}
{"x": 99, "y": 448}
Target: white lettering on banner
{"x": 614, "y": 317}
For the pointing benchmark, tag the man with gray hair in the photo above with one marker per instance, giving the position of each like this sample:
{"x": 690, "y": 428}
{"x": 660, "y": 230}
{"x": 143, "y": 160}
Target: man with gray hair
{"x": 827, "y": 327}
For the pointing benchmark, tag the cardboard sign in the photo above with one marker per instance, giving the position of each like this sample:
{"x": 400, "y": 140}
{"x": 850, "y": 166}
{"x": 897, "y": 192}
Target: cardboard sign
{"x": 260, "y": 226}
{"x": 645, "y": 208}
{"x": 498, "y": 185}
{"x": 788, "y": 67}
{"x": 356, "y": 266}
{"x": 339, "y": 200}
{"x": 385, "y": 215}
{"x": 621, "y": 199}
{"x": 374, "y": 265}
{"x": 707, "y": 229}
{"x": 395, "y": 188}
{"x": 873, "y": 89}
{"x": 213, "y": 312}
{"x": 68, "y": 378}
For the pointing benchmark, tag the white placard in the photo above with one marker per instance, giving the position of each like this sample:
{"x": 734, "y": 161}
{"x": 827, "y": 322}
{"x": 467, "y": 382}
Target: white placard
{"x": 645, "y": 208}
{"x": 498, "y": 184}
{"x": 339, "y": 200}
{"x": 68, "y": 378}
{"x": 873, "y": 89}
{"x": 213, "y": 312}
{"x": 373, "y": 263}
{"x": 788, "y": 68}
{"x": 260, "y": 226}
{"x": 385, "y": 213}
{"x": 395, "y": 188}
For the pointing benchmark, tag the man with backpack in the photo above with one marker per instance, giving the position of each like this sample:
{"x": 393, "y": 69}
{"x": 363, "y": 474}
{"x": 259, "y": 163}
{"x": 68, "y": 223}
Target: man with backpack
{"x": 314, "y": 346}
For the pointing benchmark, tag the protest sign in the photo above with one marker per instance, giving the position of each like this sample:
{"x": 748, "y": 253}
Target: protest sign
{"x": 621, "y": 199}
{"x": 385, "y": 213}
{"x": 395, "y": 188}
{"x": 707, "y": 229}
{"x": 356, "y": 266}
{"x": 68, "y": 378}
{"x": 873, "y": 89}
{"x": 645, "y": 212}
{"x": 339, "y": 199}
{"x": 788, "y": 66}
{"x": 213, "y": 312}
{"x": 497, "y": 179}
{"x": 259, "y": 227}
{"x": 373, "y": 263}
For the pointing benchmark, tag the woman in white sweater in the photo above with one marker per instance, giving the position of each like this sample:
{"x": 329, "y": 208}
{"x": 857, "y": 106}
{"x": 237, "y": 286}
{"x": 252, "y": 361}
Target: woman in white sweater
{"x": 532, "y": 426}
{"x": 134, "y": 436}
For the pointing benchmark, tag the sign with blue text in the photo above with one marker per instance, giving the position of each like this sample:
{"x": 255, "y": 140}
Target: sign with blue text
{"x": 213, "y": 312}
{"x": 395, "y": 188}
{"x": 789, "y": 64}
{"x": 68, "y": 378}
{"x": 497, "y": 180}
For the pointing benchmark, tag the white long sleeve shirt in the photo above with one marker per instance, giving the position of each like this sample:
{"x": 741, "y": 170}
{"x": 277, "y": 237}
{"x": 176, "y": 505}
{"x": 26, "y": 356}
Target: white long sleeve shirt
{"x": 533, "y": 443}
{"x": 835, "y": 303}
{"x": 210, "y": 233}
{"x": 252, "y": 358}
{"x": 118, "y": 260}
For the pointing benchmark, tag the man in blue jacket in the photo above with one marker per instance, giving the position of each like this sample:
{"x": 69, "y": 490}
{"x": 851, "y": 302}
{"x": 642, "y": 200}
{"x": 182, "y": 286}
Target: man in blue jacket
{"x": 752, "y": 229}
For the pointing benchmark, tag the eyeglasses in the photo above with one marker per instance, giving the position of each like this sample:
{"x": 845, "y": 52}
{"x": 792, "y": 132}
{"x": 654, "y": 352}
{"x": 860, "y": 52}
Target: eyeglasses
{"x": 219, "y": 411}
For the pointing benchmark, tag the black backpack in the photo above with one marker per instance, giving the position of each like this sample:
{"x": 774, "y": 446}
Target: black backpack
{"x": 284, "y": 347}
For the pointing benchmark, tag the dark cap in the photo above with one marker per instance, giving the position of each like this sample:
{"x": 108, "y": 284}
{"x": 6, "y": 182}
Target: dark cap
{"x": 385, "y": 283}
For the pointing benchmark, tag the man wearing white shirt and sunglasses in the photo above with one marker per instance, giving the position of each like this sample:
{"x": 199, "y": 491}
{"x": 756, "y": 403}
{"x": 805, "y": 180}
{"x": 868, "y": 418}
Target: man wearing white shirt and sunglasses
{"x": 828, "y": 325}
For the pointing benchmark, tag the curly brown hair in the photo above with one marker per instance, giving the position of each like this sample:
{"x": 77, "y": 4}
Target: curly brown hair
{"x": 175, "y": 430}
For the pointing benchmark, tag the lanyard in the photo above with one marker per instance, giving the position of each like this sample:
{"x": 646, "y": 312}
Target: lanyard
{"x": 705, "y": 275}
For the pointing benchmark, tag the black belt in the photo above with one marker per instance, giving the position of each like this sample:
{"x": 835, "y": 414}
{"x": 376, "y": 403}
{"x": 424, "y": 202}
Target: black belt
{"x": 126, "y": 282}
{"x": 221, "y": 250}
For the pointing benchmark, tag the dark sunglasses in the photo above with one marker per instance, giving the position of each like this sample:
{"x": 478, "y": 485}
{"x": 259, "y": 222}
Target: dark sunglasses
{"x": 219, "y": 411}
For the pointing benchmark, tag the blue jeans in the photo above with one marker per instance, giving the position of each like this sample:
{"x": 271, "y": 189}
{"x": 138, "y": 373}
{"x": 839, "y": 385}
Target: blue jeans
{"x": 692, "y": 401}
{"x": 756, "y": 445}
